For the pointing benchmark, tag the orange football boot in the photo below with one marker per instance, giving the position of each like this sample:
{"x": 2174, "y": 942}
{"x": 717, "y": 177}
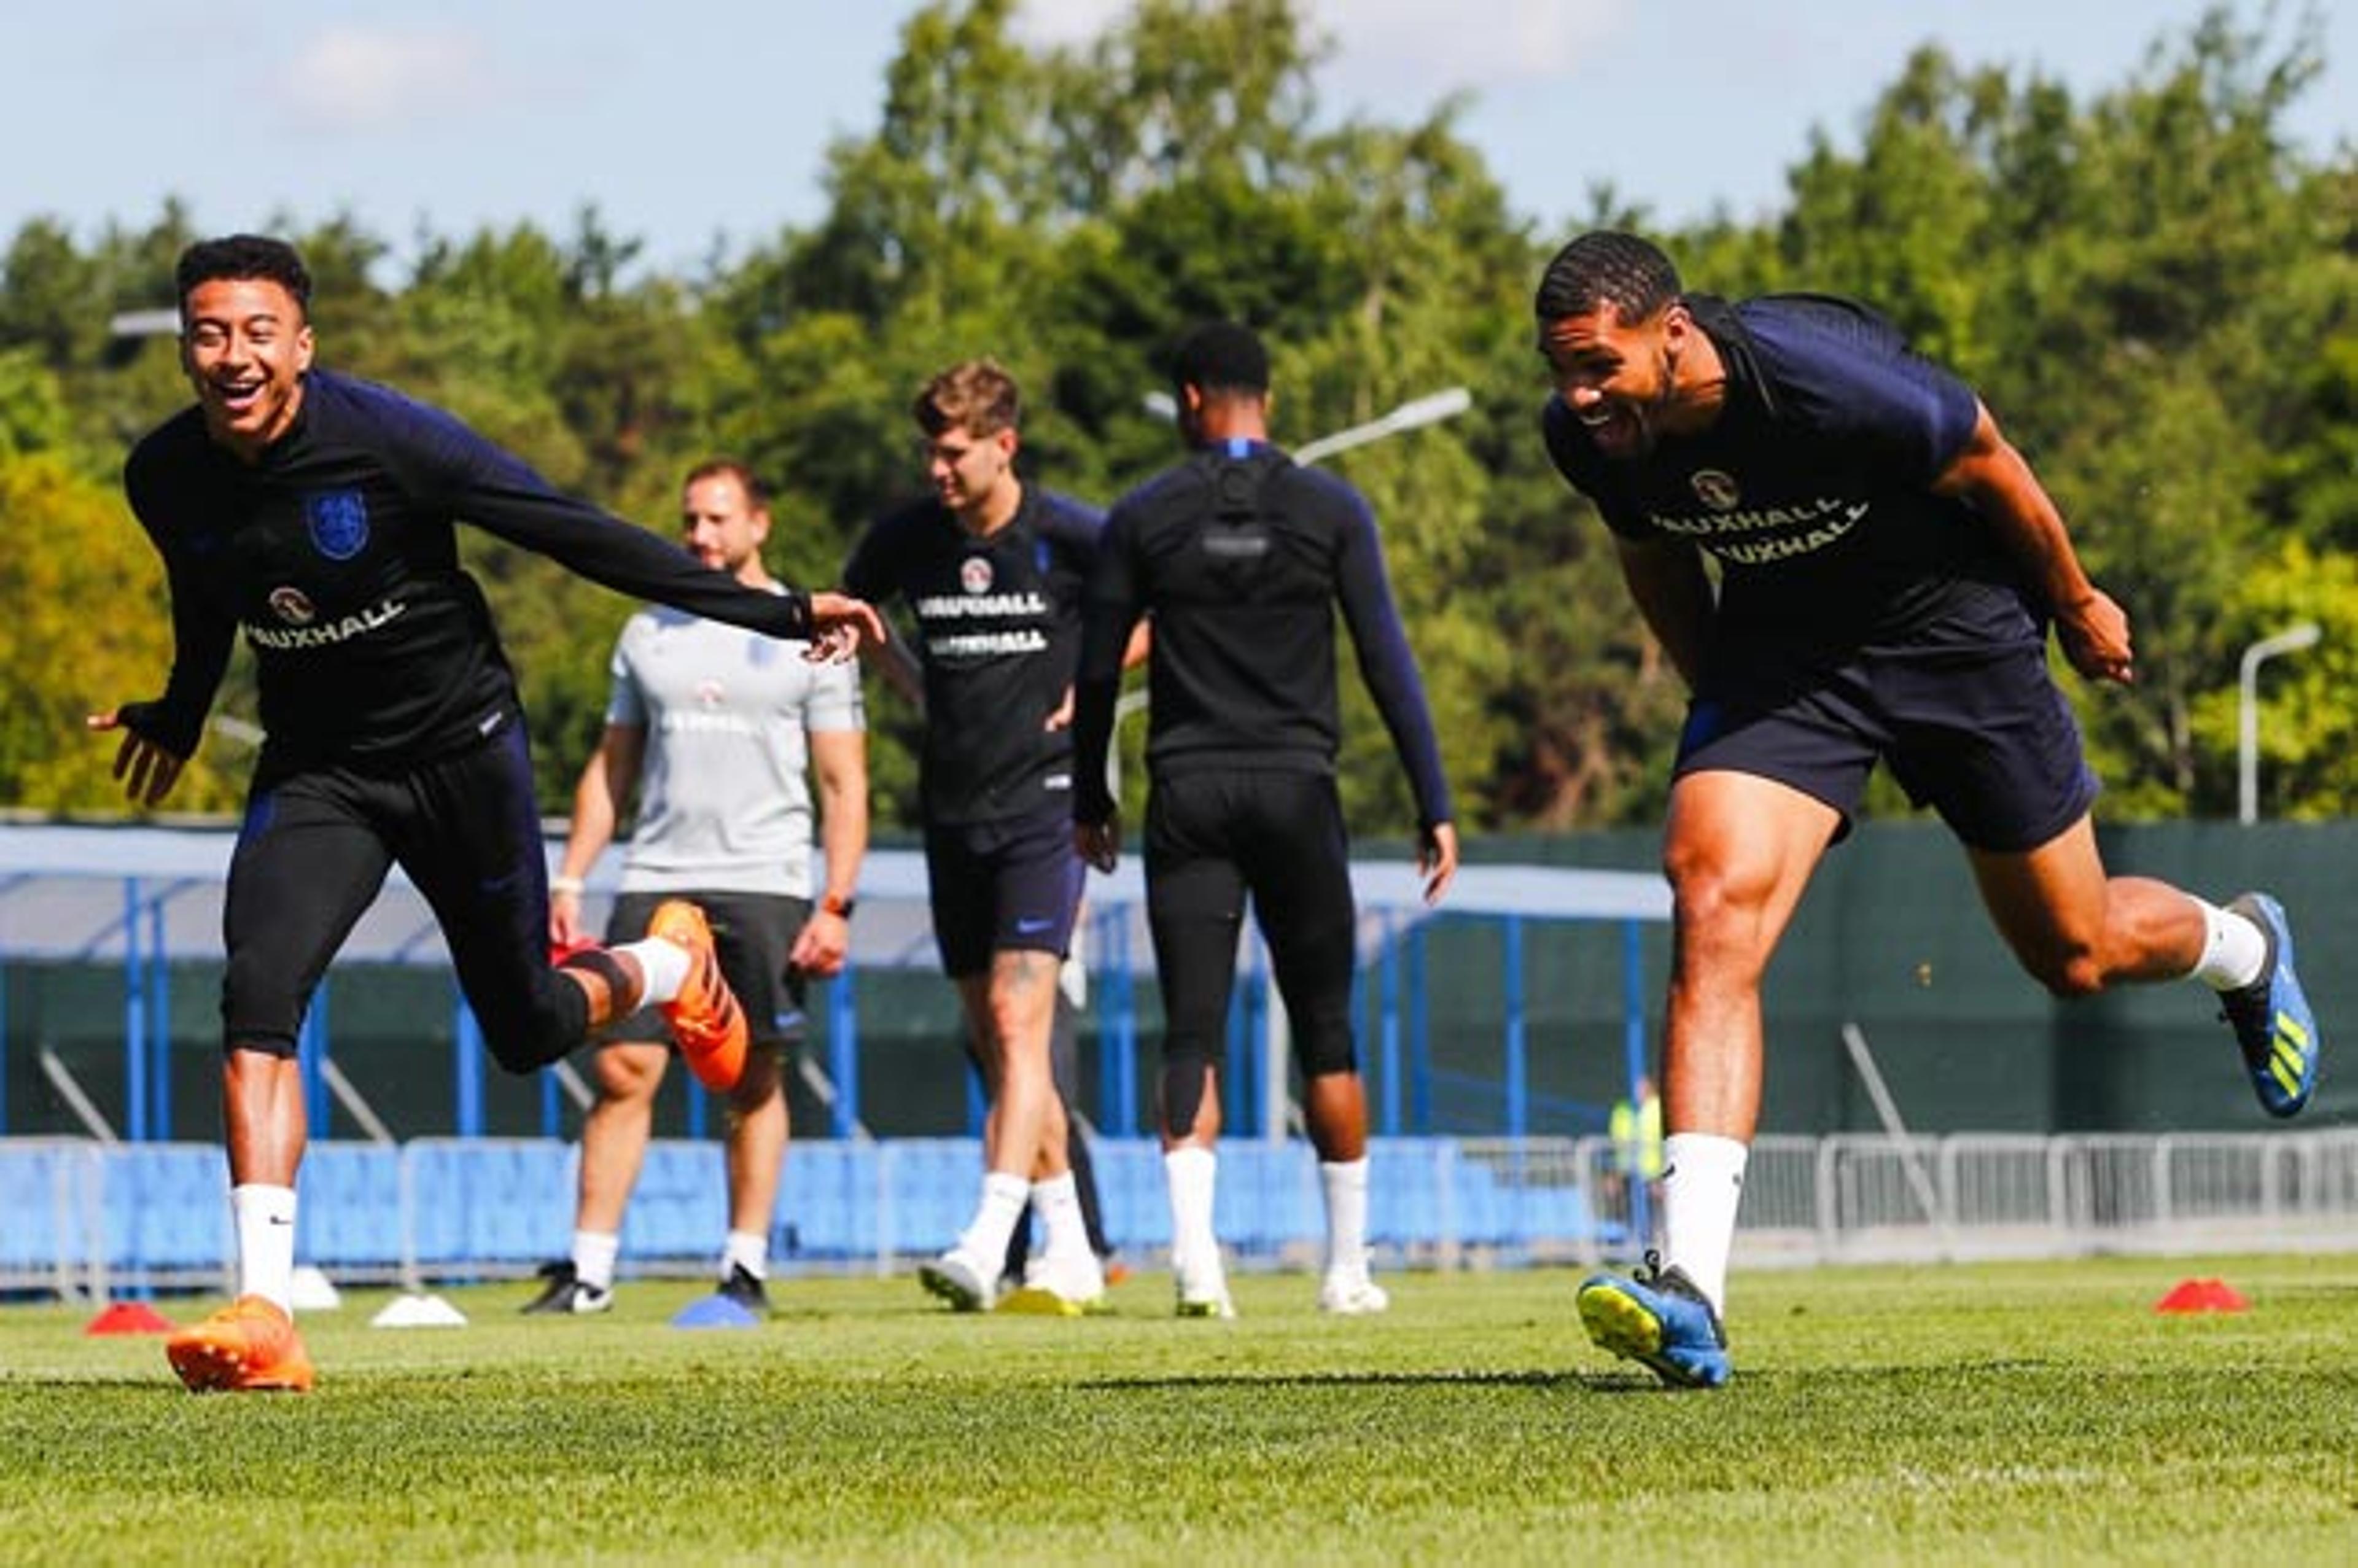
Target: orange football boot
{"x": 705, "y": 1017}
{"x": 250, "y": 1343}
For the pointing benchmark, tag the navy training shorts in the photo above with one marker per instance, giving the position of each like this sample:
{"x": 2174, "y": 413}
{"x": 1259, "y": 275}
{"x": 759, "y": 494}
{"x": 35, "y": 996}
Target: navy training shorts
{"x": 1006, "y": 886}
{"x": 1982, "y": 735}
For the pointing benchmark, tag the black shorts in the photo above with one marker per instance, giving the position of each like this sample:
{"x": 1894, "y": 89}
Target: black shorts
{"x": 315, "y": 848}
{"x": 1981, "y": 735}
{"x": 996, "y": 887}
{"x": 752, "y": 933}
{"x": 1212, "y": 838}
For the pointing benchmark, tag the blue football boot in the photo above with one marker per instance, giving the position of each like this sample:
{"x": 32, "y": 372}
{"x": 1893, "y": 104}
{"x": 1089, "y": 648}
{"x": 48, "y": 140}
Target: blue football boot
{"x": 2271, "y": 1017}
{"x": 1660, "y": 1318}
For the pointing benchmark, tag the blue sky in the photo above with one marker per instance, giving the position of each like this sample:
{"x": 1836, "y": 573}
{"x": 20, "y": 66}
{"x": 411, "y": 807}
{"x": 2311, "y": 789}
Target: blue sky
{"x": 697, "y": 120}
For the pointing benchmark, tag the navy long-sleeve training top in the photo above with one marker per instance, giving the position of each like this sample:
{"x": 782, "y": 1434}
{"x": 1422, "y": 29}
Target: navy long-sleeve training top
{"x": 1241, "y": 556}
{"x": 336, "y": 555}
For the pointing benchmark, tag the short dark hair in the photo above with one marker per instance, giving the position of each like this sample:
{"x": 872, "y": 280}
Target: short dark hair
{"x": 1604, "y": 268}
{"x": 1221, "y": 357}
{"x": 244, "y": 256}
{"x": 757, "y": 494}
{"x": 975, "y": 395}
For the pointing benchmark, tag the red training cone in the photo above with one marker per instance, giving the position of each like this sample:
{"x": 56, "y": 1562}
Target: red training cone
{"x": 2203, "y": 1296}
{"x": 129, "y": 1317}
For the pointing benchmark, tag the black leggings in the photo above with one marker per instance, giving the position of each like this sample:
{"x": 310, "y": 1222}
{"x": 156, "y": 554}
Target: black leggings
{"x": 1211, "y": 839}
{"x": 317, "y": 846}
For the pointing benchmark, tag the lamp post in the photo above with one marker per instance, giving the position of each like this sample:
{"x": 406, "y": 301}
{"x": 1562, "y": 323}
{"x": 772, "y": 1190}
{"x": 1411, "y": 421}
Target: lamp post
{"x": 1409, "y": 416}
{"x": 1418, "y": 412}
{"x": 2247, "y": 711}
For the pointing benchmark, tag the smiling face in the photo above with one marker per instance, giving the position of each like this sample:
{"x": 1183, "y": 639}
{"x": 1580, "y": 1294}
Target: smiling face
{"x": 1620, "y": 379}
{"x": 244, "y": 345}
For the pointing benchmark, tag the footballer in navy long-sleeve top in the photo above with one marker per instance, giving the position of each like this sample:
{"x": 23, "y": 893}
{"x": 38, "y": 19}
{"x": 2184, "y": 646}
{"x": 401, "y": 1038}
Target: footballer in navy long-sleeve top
{"x": 1243, "y": 557}
{"x": 317, "y": 513}
{"x": 335, "y": 553}
{"x": 1240, "y": 559}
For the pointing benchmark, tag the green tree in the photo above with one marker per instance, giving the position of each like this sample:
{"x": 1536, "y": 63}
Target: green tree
{"x": 85, "y": 632}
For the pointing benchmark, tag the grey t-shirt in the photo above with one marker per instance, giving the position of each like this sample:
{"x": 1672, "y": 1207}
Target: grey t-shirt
{"x": 723, "y": 805}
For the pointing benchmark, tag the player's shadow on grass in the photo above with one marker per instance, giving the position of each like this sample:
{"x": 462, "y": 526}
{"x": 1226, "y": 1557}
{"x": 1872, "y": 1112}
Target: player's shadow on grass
{"x": 1627, "y": 1378}
{"x": 1599, "y": 1382}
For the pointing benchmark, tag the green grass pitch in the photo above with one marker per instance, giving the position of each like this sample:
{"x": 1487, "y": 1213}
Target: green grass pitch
{"x": 1967, "y": 1413}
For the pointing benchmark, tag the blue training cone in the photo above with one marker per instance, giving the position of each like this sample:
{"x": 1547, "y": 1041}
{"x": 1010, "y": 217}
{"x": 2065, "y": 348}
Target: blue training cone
{"x": 714, "y": 1312}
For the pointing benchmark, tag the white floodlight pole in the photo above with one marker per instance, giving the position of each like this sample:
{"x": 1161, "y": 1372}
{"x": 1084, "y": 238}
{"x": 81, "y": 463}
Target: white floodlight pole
{"x": 2247, "y": 711}
{"x": 1422, "y": 411}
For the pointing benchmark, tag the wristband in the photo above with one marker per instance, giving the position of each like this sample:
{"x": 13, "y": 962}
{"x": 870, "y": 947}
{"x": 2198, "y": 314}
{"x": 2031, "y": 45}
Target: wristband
{"x": 564, "y": 884}
{"x": 841, "y": 908}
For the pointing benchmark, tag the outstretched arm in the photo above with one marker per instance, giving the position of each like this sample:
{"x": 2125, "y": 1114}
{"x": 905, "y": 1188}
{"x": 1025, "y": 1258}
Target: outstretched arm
{"x": 501, "y": 493}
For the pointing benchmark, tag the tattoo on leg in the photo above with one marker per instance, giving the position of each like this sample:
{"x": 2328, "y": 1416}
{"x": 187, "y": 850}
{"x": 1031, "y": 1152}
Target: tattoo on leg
{"x": 1023, "y": 971}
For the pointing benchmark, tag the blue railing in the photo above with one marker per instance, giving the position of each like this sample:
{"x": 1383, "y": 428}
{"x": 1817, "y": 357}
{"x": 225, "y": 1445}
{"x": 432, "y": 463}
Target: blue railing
{"x": 87, "y": 1216}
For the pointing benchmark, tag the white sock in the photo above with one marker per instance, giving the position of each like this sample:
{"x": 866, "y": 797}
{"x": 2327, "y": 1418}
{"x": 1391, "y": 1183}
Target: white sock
{"x": 746, "y": 1249}
{"x": 665, "y": 964}
{"x": 984, "y": 1239}
{"x": 1702, "y": 1182}
{"x": 1347, "y": 1214}
{"x": 2234, "y": 949}
{"x": 1191, "y": 1172}
{"x": 265, "y": 1242}
{"x": 594, "y": 1252}
{"x": 1058, "y": 1199}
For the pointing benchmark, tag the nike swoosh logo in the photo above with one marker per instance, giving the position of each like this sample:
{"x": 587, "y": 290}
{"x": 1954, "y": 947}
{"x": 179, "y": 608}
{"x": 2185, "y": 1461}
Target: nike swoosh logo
{"x": 1028, "y": 927}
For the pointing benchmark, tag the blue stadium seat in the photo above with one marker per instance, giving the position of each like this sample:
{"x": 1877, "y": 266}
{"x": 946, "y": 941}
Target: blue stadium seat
{"x": 489, "y": 1201}
{"x": 826, "y": 1202}
{"x": 348, "y": 1213}
{"x": 931, "y": 1185}
{"x": 167, "y": 1209}
{"x": 1135, "y": 1195}
{"x": 49, "y": 1189}
{"x": 680, "y": 1206}
{"x": 1267, "y": 1195}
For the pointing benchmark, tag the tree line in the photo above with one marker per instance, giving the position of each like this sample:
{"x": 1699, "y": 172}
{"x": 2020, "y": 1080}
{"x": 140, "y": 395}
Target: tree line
{"x": 2152, "y": 286}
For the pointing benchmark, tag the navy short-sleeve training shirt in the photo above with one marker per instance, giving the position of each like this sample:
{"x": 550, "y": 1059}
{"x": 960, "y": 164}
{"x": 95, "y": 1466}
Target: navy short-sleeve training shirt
{"x": 999, "y": 629}
{"x": 1814, "y": 488}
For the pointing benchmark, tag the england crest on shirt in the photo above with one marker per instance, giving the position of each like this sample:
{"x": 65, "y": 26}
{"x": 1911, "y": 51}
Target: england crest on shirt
{"x": 338, "y": 520}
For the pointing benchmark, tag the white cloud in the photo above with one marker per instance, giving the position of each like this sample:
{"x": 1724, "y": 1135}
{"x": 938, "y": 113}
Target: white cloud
{"x": 1047, "y": 22}
{"x": 1470, "y": 43}
{"x": 361, "y": 79}
{"x": 1441, "y": 45}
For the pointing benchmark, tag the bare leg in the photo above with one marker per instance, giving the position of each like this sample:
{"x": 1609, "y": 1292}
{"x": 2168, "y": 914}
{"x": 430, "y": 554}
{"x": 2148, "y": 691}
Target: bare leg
{"x": 2079, "y": 931}
{"x": 262, "y": 1112}
{"x": 1335, "y": 1107}
{"x": 1010, "y": 1012}
{"x": 1739, "y": 850}
{"x": 1204, "y": 1132}
{"x": 614, "y": 1134}
{"x": 757, "y": 1142}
